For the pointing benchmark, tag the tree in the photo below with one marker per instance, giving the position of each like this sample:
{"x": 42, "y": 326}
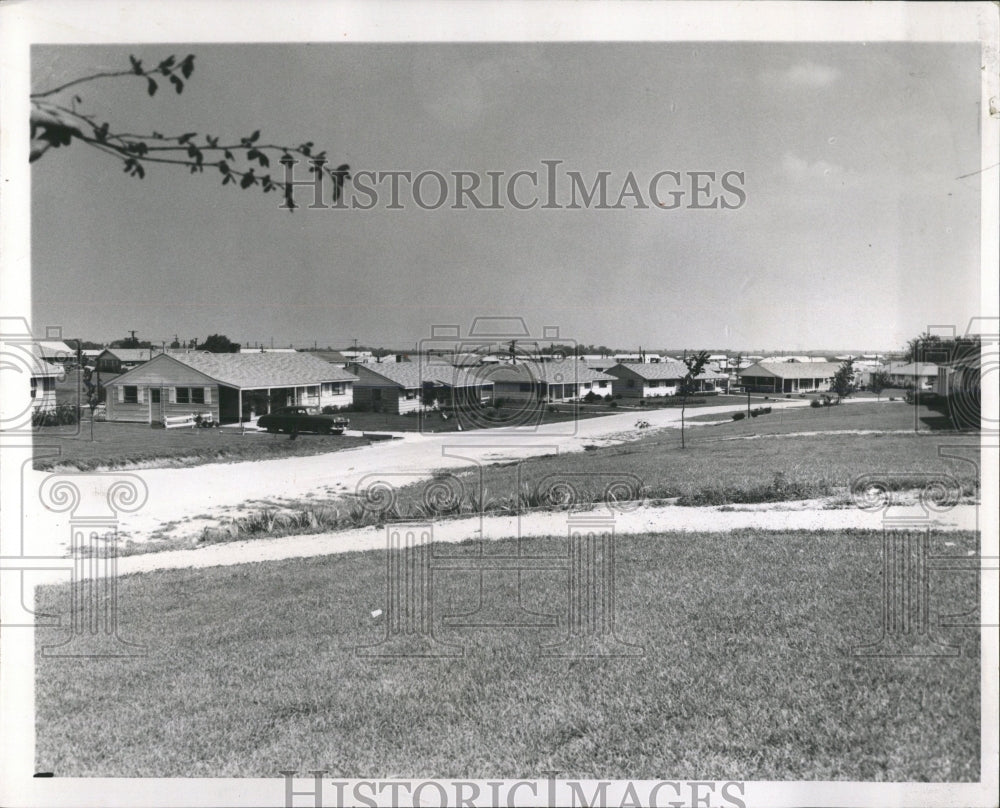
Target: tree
{"x": 695, "y": 364}
{"x": 57, "y": 121}
{"x": 843, "y": 379}
{"x": 879, "y": 381}
{"x": 916, "y": 347}
{"x": 219, "y": 343}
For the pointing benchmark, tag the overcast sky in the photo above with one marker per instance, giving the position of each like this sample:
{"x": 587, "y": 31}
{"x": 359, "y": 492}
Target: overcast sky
{"x": 856, "y": 230}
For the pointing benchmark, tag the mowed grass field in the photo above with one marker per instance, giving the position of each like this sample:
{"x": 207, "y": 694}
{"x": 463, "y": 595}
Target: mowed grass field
{"x": 138, "y": 445}
{"x": 746, "y": 672}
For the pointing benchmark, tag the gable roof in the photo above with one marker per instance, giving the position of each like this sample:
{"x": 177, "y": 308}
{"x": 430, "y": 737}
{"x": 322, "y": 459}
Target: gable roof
{"x": 667, "y": 369}
{"x": 912, "y": 368}
{"x": 130, "y": 354}
{"x": 412, "y": 375}
{"x": 567, "y": 371}
{"x": 256, "y": 370}
{"x": 792, "y": 370}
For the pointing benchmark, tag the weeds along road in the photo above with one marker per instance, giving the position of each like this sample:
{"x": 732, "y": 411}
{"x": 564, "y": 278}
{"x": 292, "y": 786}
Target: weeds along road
{"x": 183, "y": 500}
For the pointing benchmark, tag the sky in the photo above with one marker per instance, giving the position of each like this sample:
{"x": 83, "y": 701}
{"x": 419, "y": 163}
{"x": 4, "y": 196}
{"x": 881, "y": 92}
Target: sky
{"x": 858, "y": 224}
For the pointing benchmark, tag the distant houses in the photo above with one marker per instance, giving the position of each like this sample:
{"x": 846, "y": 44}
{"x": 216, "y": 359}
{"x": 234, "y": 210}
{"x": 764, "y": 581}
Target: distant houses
{"x": 788, "y": 377}
{"x": 233, "y": 387}
{"x": 657, "y": 379}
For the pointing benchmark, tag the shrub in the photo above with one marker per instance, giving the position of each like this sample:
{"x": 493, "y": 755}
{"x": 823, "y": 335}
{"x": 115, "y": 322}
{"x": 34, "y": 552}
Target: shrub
{"x": 815, "y": 403}
{"x": 766, "y": 410}
{"x": 608, "y": 397}
{"x": 739, "y": 416}
{"x": 613, "y": 404}
{"x": 591, "y": 397}
{"x": 61, "y": 414}
{"x": 642, "y": 402}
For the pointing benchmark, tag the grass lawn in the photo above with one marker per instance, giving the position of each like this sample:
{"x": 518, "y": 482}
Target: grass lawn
{"x": 888, "y": 417}
{"x": 121, "y": 445}
{"x": 747, "y": 673}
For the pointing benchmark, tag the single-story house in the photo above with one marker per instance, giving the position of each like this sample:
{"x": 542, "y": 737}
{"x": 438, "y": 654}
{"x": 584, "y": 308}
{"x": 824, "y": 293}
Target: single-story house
{"x": 402, "y": 387}
{"x": 922, "y": 375}
{"x": 233, "y": 387}
{"x": 119, "y": 360}
{"x": 567, "y": 379}
{"x": 657, "y": 379}
{"x": 788, "y": 377}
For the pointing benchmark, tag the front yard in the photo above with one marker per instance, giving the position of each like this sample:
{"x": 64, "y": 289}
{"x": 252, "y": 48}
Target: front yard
{"x": 118, "y": 445}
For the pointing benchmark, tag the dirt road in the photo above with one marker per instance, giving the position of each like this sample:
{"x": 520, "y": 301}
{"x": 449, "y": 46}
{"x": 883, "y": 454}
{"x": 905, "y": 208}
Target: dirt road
{"x": 180, "y": 502}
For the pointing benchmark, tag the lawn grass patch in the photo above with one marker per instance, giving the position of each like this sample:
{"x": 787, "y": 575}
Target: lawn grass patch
{"x": 747, "y": 672}
{"x": 118, "y": 445}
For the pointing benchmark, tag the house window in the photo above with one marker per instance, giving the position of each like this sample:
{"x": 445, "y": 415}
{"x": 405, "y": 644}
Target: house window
{"x": 333, "y": 388}
{"x": 602, "y": 384}
{"x": 411, "y": 394}
{"x": 131, "y": 394}
{"x": 48, "y": 384}
{"x": 586, "y": 385}
{"x": 34, "y": 387}
{"x": 312, "y": 392}
{"x": 190, "y": 395}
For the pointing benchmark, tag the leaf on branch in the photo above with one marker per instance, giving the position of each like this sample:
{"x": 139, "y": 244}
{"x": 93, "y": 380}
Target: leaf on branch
{"x": 165, "y": 65}
{"x": 227, "y": 179}
{"x": 183, "y": 139}
{"x": 306, "y": 148}
{"x": 195, "y": 152}
{"x": 254, "y": 136}
{"x": 102, "y": 131}
{"x": 224, "y": 167}
{"x": 152, "y": 88}
{"x": 187, "y": 66}
{"x": 178, "y": 84}
{"x": 252, "y": 154}
{"x": 228, "y": 155}
{"x": 248, "y": 180}
{"x": 212, "y": 141}
{"x": 262, "y": 159}
{"x": 136, "y": 65}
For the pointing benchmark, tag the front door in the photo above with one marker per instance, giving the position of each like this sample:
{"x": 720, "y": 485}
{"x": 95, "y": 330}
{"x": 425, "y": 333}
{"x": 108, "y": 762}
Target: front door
{"x": 155, "y": 413}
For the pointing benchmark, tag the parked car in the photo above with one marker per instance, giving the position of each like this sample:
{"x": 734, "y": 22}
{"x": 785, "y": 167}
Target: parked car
{"x": 303, "y": 419}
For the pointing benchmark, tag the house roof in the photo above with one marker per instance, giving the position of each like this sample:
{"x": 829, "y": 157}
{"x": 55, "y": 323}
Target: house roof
{"x": 130, "y": 354}
{"x": 411, "y": 375}
{"x": 54, "y": 349}
{"x": 566, "y": 371}
{"x": 329, "y": 356}
{"x": 667, "y": 369}
{"x": 912, "y": 368}
{"x": 792, "y": 370}
{"x": 258, "y": 370}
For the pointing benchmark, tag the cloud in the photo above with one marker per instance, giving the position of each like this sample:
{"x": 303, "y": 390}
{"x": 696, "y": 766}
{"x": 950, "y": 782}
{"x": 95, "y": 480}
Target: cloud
{"x": 804, "y": 74}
